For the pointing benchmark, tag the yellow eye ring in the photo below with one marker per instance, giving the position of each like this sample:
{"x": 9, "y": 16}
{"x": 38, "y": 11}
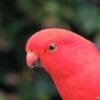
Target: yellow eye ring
{"x": 52, "y": 47}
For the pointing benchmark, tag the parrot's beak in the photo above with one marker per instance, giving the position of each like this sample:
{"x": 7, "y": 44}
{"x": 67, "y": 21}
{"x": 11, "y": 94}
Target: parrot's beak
{"x": 32, "y": 60}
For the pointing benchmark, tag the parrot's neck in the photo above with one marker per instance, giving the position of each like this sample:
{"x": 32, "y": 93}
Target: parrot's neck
{"x": 81, "y": 86}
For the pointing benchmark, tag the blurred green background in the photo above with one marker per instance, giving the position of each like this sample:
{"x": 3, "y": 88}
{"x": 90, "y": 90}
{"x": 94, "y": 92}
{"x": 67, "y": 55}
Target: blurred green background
{"x": 19, "y": 19}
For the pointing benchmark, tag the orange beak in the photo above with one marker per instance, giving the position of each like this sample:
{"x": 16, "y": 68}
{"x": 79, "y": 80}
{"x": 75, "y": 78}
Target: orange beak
{"x": 31, "y": 57}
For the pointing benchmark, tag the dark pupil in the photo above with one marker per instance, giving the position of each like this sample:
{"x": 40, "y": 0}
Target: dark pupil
{"x": 51, "y": 47}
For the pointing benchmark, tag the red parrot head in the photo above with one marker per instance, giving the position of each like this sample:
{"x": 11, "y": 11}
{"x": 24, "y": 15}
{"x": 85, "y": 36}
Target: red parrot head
{"x": 58, "y": 49}
{"x": 71, "y": 60}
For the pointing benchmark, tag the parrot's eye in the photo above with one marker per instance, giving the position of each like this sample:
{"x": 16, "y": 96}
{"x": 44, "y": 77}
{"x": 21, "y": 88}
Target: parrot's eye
{"x": 52, "y": 47}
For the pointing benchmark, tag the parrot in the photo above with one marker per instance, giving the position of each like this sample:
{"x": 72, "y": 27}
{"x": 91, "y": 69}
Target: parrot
{"x": 71, "y": 60}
